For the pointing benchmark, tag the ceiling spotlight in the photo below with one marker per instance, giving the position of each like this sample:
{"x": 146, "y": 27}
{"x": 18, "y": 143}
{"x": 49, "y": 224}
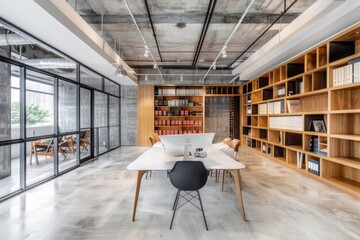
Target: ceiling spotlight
{"x": 146, "y": 54}
{"x": 120, "y": 71}
{"x": 181, "y": 78}
{"x": 155, "y": 66}
{"x": 146, "y": 78}
{"x": 223, "y": 51}
{"x": 214, "y": 66}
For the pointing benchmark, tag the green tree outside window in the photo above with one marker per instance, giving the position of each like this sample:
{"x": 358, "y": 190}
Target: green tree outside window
{"x": 34, "y": 114}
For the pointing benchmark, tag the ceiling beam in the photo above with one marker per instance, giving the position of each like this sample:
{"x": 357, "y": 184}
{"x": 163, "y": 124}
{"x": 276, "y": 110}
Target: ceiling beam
{"x": 191, "y": 18}
{"x": 153, "y": 29}
{"x": 207, "y": 21}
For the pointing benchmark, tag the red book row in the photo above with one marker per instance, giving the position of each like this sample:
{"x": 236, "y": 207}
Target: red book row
{"x": 164, "y": 113}
{"x": 196, "y": 123}
{"x": 176, "y": 132}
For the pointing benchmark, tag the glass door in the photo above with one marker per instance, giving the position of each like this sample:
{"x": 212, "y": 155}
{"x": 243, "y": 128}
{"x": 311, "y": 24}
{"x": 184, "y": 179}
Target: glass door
{"x": 85, "y": 136}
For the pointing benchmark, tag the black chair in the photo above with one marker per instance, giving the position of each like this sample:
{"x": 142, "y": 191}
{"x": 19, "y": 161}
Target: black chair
{"x": 188, "y": 177}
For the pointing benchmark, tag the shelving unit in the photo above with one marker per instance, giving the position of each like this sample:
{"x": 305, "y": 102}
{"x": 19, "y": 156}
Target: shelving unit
{"x": 332, "y": 155}
{"x": 170, "y": 109}
{"x": 178, "y": 110}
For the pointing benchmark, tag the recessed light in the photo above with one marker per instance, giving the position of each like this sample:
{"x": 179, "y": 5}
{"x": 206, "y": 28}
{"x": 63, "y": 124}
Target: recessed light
{"x": 357, "y": 32}
{"x": 201, "y": 60}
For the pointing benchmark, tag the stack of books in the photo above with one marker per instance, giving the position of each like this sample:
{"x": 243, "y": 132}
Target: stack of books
{"x": 314, "y": 166}
{"x": 287, "y": 122}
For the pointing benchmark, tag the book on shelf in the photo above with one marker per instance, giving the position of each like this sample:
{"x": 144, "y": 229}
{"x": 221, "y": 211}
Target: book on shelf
{"x": 287, "y": 122}
{"x": 314, "y": 144}
{"x": 356, "y": 70}
{"x": 294, "y": 106}
{"x": 343, "y": 75}
{"x": 248, "y": 110}
{"x": 299, "y": 159}
{"x": 281, "y": 91}
{"x": 264, "y": 148}
{"x": 323, "y": 151}
{"x": 295, "y": 87}
{"x": 276, "y": 107}
{"x": 314, "y": 166}
{"x": 248, "y": 98}
{"x": 263, "y": 108}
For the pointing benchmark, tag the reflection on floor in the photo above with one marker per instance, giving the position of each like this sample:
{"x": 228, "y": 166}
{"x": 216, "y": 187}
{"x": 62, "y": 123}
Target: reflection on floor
{"x": 95, "y": 202}
{"x": 35, "y": 173}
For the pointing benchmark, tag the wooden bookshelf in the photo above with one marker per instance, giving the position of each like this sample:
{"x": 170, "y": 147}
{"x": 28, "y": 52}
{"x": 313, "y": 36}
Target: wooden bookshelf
{"x": 171, "y": 110}
{"x": 178, "y": 110}
{"x": 310, "y": 78}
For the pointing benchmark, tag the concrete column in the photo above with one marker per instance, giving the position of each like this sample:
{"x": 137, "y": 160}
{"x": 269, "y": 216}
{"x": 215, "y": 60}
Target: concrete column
{"x": 5, "y": 115}
{"x": 217, "y": 114}
{"x": 129, "y": 121}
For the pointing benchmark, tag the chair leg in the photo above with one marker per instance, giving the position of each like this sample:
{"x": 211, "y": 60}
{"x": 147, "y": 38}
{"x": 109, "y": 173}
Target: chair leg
{"x": 222, "y": 182}
{"x": 174, "y": 208}
{"x": 202, "y": 209}
{"x": 177, "y": 195}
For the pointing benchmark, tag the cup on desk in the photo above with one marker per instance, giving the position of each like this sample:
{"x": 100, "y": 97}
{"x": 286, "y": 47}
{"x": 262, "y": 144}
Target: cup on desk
{"x": 188, "y": 152}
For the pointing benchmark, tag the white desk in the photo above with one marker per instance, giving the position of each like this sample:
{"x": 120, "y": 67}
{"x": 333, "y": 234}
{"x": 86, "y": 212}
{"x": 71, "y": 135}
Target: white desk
{"x": 155, "y": 159}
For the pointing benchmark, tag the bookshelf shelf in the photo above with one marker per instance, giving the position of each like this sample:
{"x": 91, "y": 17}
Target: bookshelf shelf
{"x": 344, "y": 183}
{"x": 350, "y": 162}
{"x": 311, "y": 78}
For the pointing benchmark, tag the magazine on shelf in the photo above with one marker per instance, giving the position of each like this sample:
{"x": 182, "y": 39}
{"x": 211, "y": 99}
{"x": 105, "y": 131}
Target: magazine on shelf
{"x": 294, "y": 106}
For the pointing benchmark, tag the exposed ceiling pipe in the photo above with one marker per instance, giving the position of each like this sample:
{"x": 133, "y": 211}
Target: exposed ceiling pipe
{"x": 153, "y": 29}
{"x": 229, "y": 38}
{"x": 267, "y": 29}
{"x": 50, "y": 63}
{"x": 14, "y": 39}
{"x": 142, "y": 37}
{"x": 208, "y": 17}
{"x": 184, "y": 74}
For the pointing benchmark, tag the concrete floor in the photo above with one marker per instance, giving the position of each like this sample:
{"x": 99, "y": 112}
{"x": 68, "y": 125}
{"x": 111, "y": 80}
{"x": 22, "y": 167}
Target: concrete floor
{"x": 95, "y": 202}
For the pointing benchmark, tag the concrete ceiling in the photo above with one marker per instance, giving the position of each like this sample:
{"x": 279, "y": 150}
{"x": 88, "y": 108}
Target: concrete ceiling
{"x": 178, "y": 26}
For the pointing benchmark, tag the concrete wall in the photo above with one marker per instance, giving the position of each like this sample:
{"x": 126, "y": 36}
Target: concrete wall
{"x": 5, "y": 115}
{"x": 129, "y": 117}
{"x": 217, "y": 114}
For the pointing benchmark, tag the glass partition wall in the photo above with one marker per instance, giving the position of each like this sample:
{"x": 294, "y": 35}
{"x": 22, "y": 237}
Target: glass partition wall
{"x": 55, "y": 113}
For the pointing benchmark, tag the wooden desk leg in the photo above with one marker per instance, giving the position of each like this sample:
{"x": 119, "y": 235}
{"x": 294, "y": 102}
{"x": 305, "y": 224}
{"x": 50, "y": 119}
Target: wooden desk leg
{"x": 137, "y": 191}
{"x": 237, "y": 180}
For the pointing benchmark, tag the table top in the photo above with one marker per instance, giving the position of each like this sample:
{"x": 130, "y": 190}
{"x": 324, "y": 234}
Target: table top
{"x": 155, "y": 159}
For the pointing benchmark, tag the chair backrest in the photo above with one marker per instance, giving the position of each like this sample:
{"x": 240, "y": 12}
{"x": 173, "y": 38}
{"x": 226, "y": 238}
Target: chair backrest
{"x": 82, "y": 134}
{"x": 235, "y": 144}
{"x": 226, "y": 141}
{"x": 188, "y": 175}
{"x": 156, "y": 137}
{"x": 152, "y": 140}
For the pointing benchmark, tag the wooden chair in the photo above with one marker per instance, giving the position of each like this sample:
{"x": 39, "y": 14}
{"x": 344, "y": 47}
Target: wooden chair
{"x": 45, "y": 147}
{"x": 217, "y": 172}
{"x": 68, "y": 143}
{"x": 227, "y": 141}
{"x": 234, "y": 145}
{"x": 156, "y": 137}
{"x": 84, "y": 139}
{"x": 152, "y": 140}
